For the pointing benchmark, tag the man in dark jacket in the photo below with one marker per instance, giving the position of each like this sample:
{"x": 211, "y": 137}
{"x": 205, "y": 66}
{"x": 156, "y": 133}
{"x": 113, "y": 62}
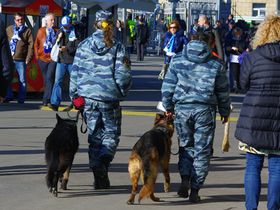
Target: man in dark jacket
{"x": 181, "y": 22}
{"x": 6, "y": 63}
{"x": 141, "y": 34}
{"x": 162, "y": 29}
{"x": 218, "y": 49}
{"x": 68, "y": 38}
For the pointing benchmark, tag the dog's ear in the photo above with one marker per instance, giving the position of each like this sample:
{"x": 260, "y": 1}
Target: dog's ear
{"x": 58, "y": 118}
{"x": 158, "y": 118}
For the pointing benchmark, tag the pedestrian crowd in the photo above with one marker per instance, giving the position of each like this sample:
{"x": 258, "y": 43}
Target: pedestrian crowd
{"x": 195, "y": 84}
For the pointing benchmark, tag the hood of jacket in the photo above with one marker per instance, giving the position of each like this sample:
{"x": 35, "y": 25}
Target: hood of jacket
{"x": 270, "y": 51}
{"x": 197, "y": 51}
{"x": 97, "y": 45}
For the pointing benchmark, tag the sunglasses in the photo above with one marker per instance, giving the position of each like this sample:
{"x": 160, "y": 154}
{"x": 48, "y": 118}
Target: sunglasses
{"x": 19, "y": 20}
{"x": 173, "y": 27}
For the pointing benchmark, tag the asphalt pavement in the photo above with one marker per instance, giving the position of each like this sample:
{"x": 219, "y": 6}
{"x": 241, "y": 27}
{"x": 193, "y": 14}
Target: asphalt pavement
{"x": 24, "y": 128}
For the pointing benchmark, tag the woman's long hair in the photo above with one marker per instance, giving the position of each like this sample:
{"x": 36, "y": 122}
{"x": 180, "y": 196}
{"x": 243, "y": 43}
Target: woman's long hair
{"x": 268, "y": 31}
{"x": 176, "y": 24}
{"x": 108, "y": 31}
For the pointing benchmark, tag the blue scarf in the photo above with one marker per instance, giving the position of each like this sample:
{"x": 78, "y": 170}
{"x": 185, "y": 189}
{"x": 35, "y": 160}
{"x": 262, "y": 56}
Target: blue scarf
{"x": 15, "y": 38}
{"x": 233, "y": 38}
{"x": 49, "y": 40}
{"x": 169, "y": 48}
{"x": 71, "y": 31}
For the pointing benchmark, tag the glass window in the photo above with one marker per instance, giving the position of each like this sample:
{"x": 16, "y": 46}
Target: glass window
{"x": 259, "y": 9}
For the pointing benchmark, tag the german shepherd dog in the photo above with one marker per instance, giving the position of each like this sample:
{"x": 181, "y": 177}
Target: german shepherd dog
{"x": 60, "y": 148}
{"x": 151, "y": 151}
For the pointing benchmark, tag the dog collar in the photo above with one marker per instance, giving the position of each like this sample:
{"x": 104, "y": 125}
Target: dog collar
{"x": 165, "y": 131}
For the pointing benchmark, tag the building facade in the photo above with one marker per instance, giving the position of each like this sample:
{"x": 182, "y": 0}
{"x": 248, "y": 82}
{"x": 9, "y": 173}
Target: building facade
{"x": 254, "y": 9}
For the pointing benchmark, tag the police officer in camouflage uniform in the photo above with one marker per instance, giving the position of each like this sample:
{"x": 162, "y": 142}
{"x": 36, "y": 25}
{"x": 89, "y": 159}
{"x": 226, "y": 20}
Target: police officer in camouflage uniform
{"x": 194, "y": 85}
{"x": 101, "y": 74}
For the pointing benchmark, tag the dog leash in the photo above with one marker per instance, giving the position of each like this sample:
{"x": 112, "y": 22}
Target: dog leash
{"x": 178, "y": 149}
{"x": 77, "y": 118}
{"x": 169, "y": 141}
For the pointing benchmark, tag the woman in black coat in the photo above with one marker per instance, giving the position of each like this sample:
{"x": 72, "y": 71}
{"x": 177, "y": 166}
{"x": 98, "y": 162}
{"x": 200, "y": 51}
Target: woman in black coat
{"x": 258, "y": 127}
{"x": 236, "y": 47}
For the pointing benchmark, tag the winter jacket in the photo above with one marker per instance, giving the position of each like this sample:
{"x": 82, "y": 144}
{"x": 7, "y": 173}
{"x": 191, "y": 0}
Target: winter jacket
{"x": 179, "y": 42}
{"x": 195, "y": 76}
{"x": 39, "y": 45}
{"x": 240, "y": 44}
{"x": 228, "y": 39}
{"x": 6, "y": 62}
{"x": 141, "y": 34}
{"x": 24, "y": 48}
{"x": 259, "y": 122}
{"x": 99, "y": 72}
{"x": 182, "y": 23}
{"x": 68, "y": 56}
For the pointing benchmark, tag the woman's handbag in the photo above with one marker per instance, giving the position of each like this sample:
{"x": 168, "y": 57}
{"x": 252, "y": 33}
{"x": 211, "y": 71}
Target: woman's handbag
{"x": 163, "y": 71}
{"x": 242, "y": 56}
{"x": 54, "y": 52}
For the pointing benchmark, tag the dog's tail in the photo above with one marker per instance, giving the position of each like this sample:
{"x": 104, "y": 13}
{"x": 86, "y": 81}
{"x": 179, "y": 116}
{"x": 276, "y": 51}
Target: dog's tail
{"x": 149, "y": 175}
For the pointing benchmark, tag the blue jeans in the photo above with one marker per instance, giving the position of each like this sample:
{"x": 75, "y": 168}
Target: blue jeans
{"x": 21, "y": 71}
{"x": 252, "y": 181}
{"x": 60, "y": 71}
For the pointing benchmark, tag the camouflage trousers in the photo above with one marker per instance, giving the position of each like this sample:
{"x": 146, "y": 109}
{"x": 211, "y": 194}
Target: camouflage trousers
{"x": 104, "y": 127}
{"x": 195, "y": 125}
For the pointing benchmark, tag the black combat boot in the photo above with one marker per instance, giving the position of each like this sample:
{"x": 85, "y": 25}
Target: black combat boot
{"x": 100, "y": 172}
{"x": 194, "y": 197}
{"x": 184, "y": 187}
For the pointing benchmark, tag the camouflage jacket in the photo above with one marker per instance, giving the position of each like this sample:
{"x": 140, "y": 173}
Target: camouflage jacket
{"x": 99, "y": 72}
{"x": 195, "y": 76}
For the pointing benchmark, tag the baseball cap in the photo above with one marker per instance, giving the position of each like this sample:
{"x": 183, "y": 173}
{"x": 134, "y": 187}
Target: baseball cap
{"x": 65, "y": 21}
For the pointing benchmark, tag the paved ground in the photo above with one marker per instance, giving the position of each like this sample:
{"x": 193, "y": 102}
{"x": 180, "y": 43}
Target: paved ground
{"x": 24, "y": 128}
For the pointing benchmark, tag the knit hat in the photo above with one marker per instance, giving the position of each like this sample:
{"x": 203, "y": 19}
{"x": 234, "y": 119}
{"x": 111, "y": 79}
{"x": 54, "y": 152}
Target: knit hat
{"x": 65, "y": 21}
{"x": 103, "y": 15}
{"x": 201, "y": 30}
